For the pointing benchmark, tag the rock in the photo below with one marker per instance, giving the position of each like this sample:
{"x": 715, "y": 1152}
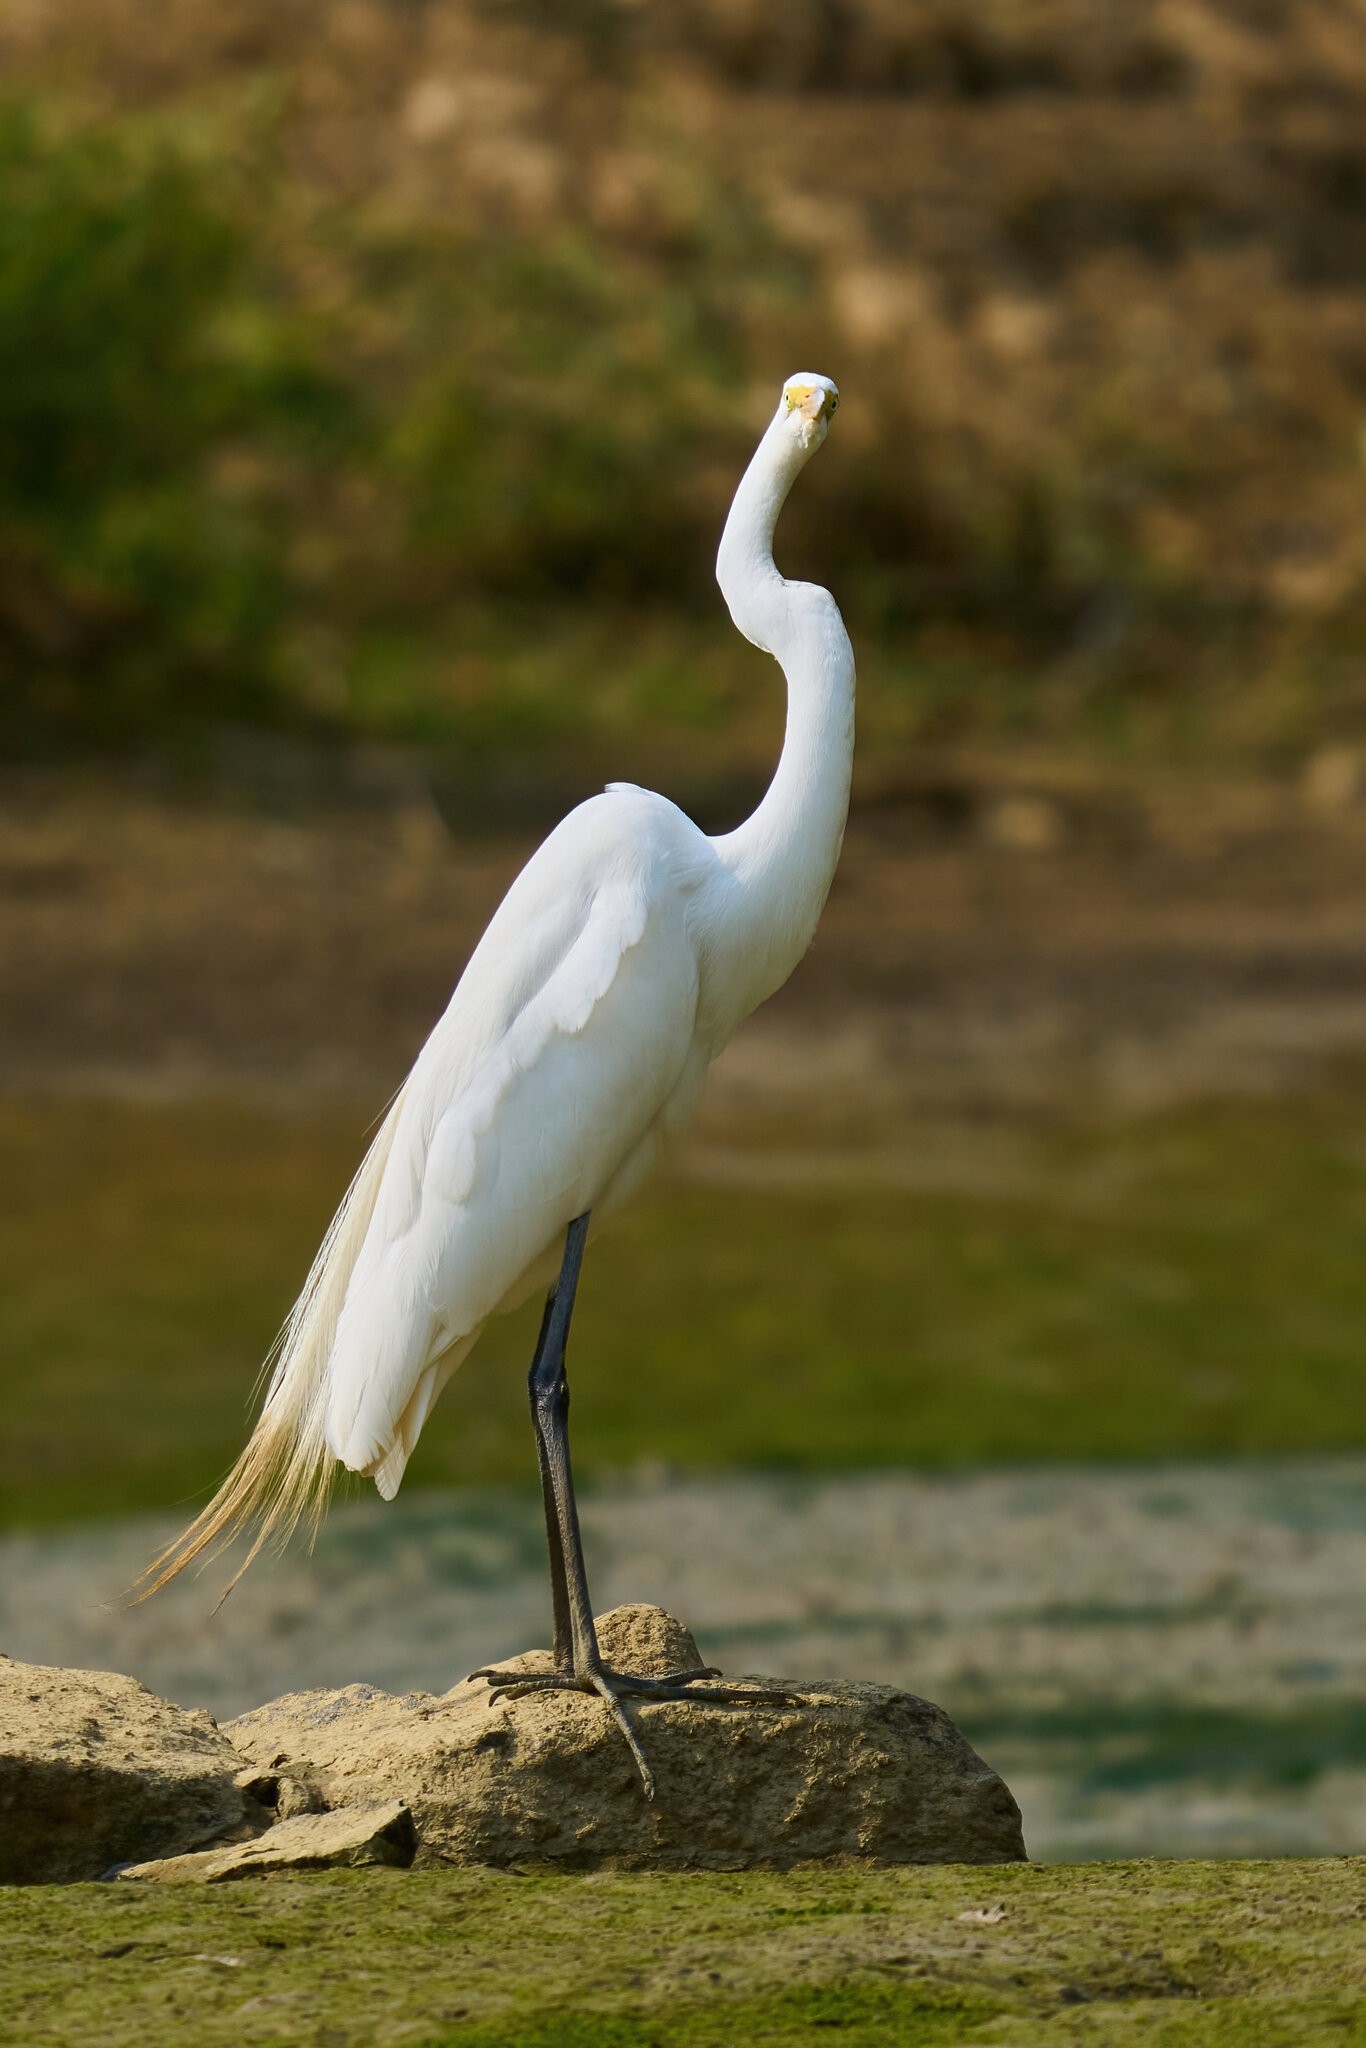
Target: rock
{"x": 311, "y": 1841}
{"x": 648, "y": 1640}
{"x": 285, "y": 1796}
{"x": 853, "y": 1770}
{"x": 95, "y": 1771}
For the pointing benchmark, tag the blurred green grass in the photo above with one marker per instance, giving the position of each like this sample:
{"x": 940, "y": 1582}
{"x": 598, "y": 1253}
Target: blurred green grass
{"x": 1188, "y": 1284}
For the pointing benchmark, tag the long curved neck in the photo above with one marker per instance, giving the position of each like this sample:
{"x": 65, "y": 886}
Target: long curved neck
{"x": 782, "y": 859}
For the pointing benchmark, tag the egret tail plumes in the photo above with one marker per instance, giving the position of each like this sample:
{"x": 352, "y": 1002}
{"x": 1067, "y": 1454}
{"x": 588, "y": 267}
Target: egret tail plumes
{"x": 284, "y": 1474}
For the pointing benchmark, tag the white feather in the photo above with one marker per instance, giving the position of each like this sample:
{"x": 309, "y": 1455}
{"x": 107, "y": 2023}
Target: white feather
{"x": 538, "y": 1085}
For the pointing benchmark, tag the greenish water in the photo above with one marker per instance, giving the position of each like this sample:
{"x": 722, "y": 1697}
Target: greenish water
{"x": 1187, "y": 1284}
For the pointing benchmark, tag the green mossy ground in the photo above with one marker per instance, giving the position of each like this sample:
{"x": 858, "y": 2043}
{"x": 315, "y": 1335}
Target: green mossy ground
{"x": 1174, "y": 1953}
{"x": 1184, "y": 1285}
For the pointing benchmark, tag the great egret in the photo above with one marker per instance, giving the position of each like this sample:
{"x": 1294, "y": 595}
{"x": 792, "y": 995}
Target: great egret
{"x": 618, "y": 965}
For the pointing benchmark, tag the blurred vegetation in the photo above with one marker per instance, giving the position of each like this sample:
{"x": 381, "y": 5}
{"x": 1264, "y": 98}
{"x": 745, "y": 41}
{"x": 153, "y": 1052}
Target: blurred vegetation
{"x": 1187, "y": 1285}
{"x": 138, "y": 355}
{"x": 349, "y": 359}
{"x": 218, "y": 501}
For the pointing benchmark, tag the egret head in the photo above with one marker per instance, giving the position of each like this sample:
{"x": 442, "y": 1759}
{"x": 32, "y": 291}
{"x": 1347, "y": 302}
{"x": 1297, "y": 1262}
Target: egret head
{"x": 808, "y": 405}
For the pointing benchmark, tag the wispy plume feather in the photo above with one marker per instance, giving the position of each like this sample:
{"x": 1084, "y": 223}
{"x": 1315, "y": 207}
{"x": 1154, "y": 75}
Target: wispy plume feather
{"x": 284, "y": 1476}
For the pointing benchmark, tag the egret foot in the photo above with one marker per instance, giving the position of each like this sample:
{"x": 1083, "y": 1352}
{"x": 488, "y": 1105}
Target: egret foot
{"x": 612, "y": 1687}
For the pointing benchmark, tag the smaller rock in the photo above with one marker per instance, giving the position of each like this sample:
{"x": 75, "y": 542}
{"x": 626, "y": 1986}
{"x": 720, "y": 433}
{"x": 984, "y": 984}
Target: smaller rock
{"x": 646, "y": 1640}
{"x": 642, "y": 1639}
{"x": 310, "y": 1841}
{"x": 298, "y": 1796}
{"x": 280, "y": 1794}
{"x": 96, "y": 1771}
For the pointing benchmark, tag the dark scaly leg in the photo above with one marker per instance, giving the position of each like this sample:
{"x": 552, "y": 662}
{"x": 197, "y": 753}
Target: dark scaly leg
{"x": 578, "y": 1661}
{"x": 559, "y": 1586}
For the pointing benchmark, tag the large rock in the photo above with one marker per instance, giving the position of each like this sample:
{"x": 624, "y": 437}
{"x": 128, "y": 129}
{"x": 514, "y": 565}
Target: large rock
{"x": 852, "y": 1770}
{"x": 96, "y": 1771}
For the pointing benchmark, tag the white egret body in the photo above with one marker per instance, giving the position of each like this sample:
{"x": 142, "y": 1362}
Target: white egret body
{"x": 574, "y": 1048}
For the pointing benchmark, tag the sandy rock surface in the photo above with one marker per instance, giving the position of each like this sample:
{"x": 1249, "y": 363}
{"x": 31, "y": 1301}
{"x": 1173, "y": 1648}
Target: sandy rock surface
{"x": 851, "y": 1769}
{"x": 308, "y": 1841}
{"x": 95, "y": 1771}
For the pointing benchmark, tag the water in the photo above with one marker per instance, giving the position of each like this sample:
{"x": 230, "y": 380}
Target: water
{"x": 1162, "y": 1660}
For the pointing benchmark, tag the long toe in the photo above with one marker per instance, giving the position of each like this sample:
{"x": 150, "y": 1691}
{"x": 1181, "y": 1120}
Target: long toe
{"x": 521, "y": 1688}
{"x": 691, "y": 1686}
{"x": 604, "y": 1684}
{"x": 532, "y": 1680}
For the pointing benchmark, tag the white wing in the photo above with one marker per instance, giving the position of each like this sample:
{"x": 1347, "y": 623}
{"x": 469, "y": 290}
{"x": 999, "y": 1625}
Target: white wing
{"x": 570, "y": 1032}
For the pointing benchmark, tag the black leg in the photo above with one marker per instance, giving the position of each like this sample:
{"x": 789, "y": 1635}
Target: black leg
{"x": 559, "y": 1592}
{"x": 578, "y": 1662}
{"x": 550, "y": 1415}
{"x": 548, "y": 1387}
